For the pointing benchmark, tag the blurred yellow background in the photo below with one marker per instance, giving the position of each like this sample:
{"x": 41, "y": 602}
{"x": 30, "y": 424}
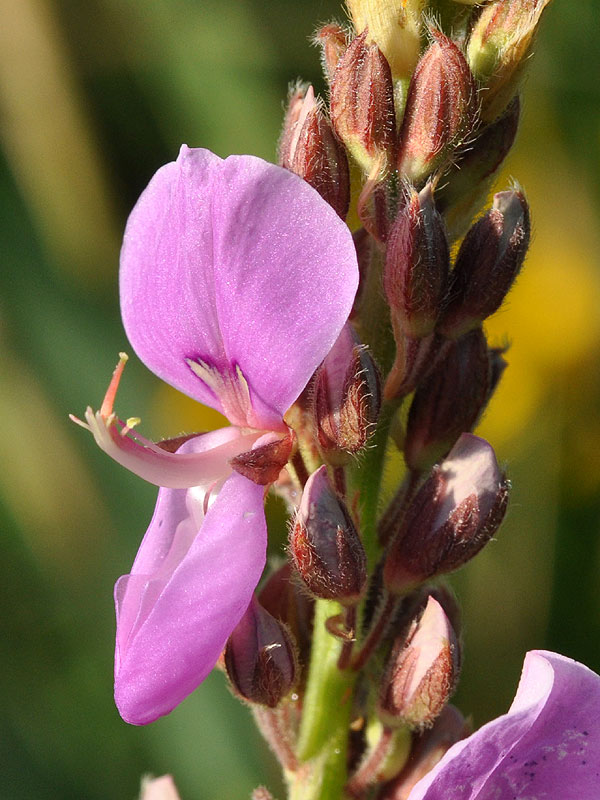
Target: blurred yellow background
{"x": 94, "y": 97}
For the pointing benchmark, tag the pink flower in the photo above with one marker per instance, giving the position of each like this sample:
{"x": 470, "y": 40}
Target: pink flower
{"x": 236, "y": 279}
{"x": 547, "y": 745}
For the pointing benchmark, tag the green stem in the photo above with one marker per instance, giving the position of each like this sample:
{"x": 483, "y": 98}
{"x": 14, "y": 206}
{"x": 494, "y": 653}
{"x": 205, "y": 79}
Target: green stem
{"x": 367, "y": 481}
{"x": 327, "y": 707}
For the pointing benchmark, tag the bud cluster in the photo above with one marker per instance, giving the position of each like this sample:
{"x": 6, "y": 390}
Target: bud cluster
{"x": 419, "y": 120}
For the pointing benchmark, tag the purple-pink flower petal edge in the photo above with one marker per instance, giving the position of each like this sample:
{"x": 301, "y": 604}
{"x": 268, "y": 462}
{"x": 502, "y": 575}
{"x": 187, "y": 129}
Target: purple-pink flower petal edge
{"x": 547, "y": 747}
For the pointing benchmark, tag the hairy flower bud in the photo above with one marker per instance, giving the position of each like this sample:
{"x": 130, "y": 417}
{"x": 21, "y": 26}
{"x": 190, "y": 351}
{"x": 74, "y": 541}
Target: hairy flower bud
{"x": 284, "y": 599}
{"x": 422, "y": 671}
{"x": 325, "y": 546}
{"x": 269, "y": 455}
{"x": 448, "y": 402}
{"x": 468, "y": 181}
{"x": 499, "y": 47}
{"x": 347, "y": 398}
{"x": 310, "y": 148}
{"x": 260, "y": 658}
{"x": 417, "y": 265}
{"x": 414, "y": 359}
{"x": 450, "y": 727}
{"x": 395, "y": 26}
{"x": 440, "y": 109}
{"x": 362, "y": 105}
{"x": 487, "y": 264}
{"x": 332, "y": 40}
{"x": 453, "y": 515}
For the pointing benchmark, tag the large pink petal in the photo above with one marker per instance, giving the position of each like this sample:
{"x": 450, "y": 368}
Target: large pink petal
{"x": 546, "y": 746}
{"x": 188, "y": 590}
{"x": 239, "y": 265}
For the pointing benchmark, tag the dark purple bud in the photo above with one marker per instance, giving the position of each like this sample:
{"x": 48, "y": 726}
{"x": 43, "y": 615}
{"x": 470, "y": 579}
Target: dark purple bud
{"x": 487, "y": 264}
{"x": 417, "y": 265}
{"x": 497, "y": 366}
{"x": 453, "y": 515}
{"x": 448, "y": 402}
{"x": 310, "y": 148}
{"x": 260, "y": 658}
{"x": 284, "y": 598}
{"x": 347, "y": 398}
{"x": 429, "y": 748}
{"x": 365, "y": 253}
{"x": 440, "y": 109}
{"x": 331, "y": 38}
{"x": 362, "y": 105}
{"x": 325, "y": 546}
{"x": 421, "y": 672}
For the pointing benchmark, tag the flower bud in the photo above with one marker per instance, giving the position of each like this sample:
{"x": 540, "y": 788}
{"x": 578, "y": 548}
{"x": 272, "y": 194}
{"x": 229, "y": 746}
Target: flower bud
{"x": 499, "y": 48}
{"x": 453, "y": 515}
{"x": 260, "y": 658}
{"x": 468, "y": 182}
{"x": 448, "y": 402}
{"x": 162, "y": 788}
{"x": 365, "y": 255}
{"x": 267, "y": 458}
{"x": 325, "y": 546}
{"x": 417, "y": 264}
{"x": 284, "y": 598}
{"x": 421, "y": 673}
{"x": 429, "y": 748}
{"x": 488, "y": 262}
{"x": 440, "y": 109}
{"x": 362, "y": 105}
{"x": 395, "y": 26}
{"x": 347, "y": 398}
{"x": 414, "y": 359}
{"x": 332, "y": 40}
{"x": 310, "y": 148}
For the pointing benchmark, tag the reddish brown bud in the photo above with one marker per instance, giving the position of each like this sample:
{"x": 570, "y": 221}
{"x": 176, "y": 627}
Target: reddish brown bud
{"x": 429, "y": 748}
{"x": 395, "y": 25}
{"x": 440, "y": 109}
{"x": 468, "y": 182}
{"x": 417, "y": 265}
{"x": 265, "y": 461}
{"x": 260, "y": 658}
{"x": 332, "y": 40}
{"x": 284, "y": 598}
{"x": 422, "y": 671}
{"x": 362, "y": 105}
{"x": 325, "y": 546}
{"x": 347, "y": 398}
{"x": 487, "y": 264}
{"x": 448, "y": 402}
{"x": 499, "y": 49}
{"x": 453, "y": 515}
{"x": 310, "y": 148}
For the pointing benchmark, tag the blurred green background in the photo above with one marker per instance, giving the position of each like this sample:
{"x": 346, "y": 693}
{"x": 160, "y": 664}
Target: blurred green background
{"x": 94, "y": 96}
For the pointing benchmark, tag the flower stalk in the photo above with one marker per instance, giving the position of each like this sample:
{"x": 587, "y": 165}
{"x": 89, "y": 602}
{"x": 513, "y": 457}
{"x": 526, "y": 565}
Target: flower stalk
{"x": 242, "y": 286}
